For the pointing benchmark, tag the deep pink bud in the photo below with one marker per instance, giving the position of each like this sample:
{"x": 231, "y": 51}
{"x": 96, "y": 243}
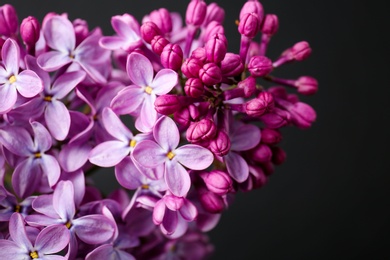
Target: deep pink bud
{"x": 270, "y": 136}
{"x": 252, "y": 6}
{"x": 211, "y": 29}
{"x": 301, "y": 51}
{"x": 268, "y": 168}
{"x": 221, "y": 144}
{"x": 191, "y": 67}
{"x": 261, "y": 105}
{"x": 248, "y": 85}
{"x": 149, "y": 30}
{"x": 29, "y": 30}
{"x": 249, "y": 25}
{"x": 162, "y": 19}
{"x": 217, "y": 181}
{"x": 262, "y": 153}
{"x": 199, "y": 54}
{"x": 167, "y": 104}
{"x": 204, "y": 129}
{"x": 231, "y": 65}
{"x": 211, "y": 202}
{"x": 216, "y": 48}
{"x": 194, "y": 87}
{"x": 210, "y": 74}
{"x": 8, "y": 20}
{"x": 196, "y": 12}
{"x": 81, "y": 30}
{"x": 214, "y": 13}
{"x": 302, "y": 115}
{"x": 158, "y": 43}
{"x": 276, "y": 119}
{"x": 182, "y": 117}
{"x": 257, "y": 179}
{"x": 306, "y": 85}
{"x": 278, "y": 155}
{"x": 260, "y": 66}
{"x": 172, "y": 56}
{"x": 270, "y": 25}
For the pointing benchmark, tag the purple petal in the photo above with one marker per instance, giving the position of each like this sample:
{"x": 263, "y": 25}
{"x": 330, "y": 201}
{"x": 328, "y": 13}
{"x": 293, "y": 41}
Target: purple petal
{"x": 59, "y": 34}
{"x": 177, "y": 179}
{"x": 155, "y": 173}
{"x": 188, "y": 211}
{"x": 10, "y": 250}
{"x": 93, "y": 72}
{"x": 128, "y": 175}
{"x": 17, "y": 231}
{"x": 237, "y": 167}
{"x": 11, "y": 56}
{"x": 57, "y": 119}
{"x": 149, "y": 154}
{"x": 28, "y": 83}
{"x": 245, "y": 137}
{"x": 51, "y": 168}
{"x": 8, "y": 95}
{"x": 139, "y": 69}
{"x": 54, "y": 257}
{"x": 31, "y": 63}
{"x": 42, "y": 138}
{"x": 126, "y": 26}
{"x": 148, "y": 114}
{"x": 194, "y": 156}
{"x": 128, "y": 100}
{"x": 173, "y": 203}
{"x": 74, "y": 155}
{"x": 44, "y": 204}
{"x": 107, "y": 251}
{"x": 17, "y": 140}
{"x": 112, "y": 42}
{"x": 109, "y": 153}
{"x": 164, "y": 81}
{"x": 52, "y": 239}
{"x": 66, "y": 82}
{"x": 166, "y": 133}
{"x": 26, "y": 177}
{"x": 53, "y": 60}
{"x": 115, "y": 127}
{"x": 89, "y": 52}
{"x": 181, "y": 228}
{"x": 63, "y": 200}
{"x": 170, "y": 221}
{"x": 159, "y": 212}
{"x": 93, "y": 229}
{"x": 42, "y": 220}
{"x": 78, "y": 180}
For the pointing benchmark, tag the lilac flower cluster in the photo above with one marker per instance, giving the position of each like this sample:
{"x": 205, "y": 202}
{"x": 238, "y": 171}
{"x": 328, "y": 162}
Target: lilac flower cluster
{"x": 202, "y": 128}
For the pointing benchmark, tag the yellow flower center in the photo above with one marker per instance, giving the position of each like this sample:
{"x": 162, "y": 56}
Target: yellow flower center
{"x": 170, "y": 155}
{"x": 17, "y": 208}
{"x": 38, "y": 155}
{"x": 133, "y": 143}
{"x": 47, "y": 98}
{"x": 145, "y": 186}
{"x": 34, "y": 255}
{"x": 68, "y": 224}
{"x": 12, "y": 79}
{"x": 148, "y": 90}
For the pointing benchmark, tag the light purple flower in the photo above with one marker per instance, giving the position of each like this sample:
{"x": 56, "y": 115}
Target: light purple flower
{"x": 26, "y": 83}
{"x": 164, "y": 151}
{"x": 141, "y": 95}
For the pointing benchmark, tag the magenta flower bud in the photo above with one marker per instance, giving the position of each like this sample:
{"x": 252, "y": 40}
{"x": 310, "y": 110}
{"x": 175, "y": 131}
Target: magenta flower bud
{"x": 81, "y": 30}
{"x": 231, "y": 65}
{"x": 182, "y": 117}
{"x": 248, "y": 85}
{"x": 149, "y": 30}
{"x": 302, "y": 115}
{"x": 261, "y": 105}
{"x": 211, "y": 29}
{"x": 278, "y": 155}
{"x": 301, "y": 51}
{"x": 167, "y": 104}
{"x": 220, "y": 145}
{"x": 262, "y": 153}
{"x": 199, "y": 54}
{"x": 158, "y": 43}
{"x": 258, "y": 176}
{"x": 216, "y": 48}
{"x": 260, "y": 66}
{"x": 252, "y": 6}
{"x": 270, "y": 136}
{"x": 270, "y": 24}
{"x": 204, "y": 129}
{"x": 276, "y": 119}
{"x": 162, "y": 19}
{"x": 306, "y": 85}
{"x": 194, "y": 87}
{"x": 211, "y": 202}
{"x": 217, "y": 182}
{"x": 172, "y": 56}
{"x": 191, "y": 67}
{"x": 8, "y": 20}
{"x": 210, "y": 74}
{"x": 29, "y": 30}
{"x": 214, "y": 13}
{"x": 196, "y": 12}
{"x": 249, "y": 25}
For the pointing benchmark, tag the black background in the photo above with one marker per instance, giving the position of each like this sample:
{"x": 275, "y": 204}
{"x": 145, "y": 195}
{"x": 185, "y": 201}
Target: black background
{"x": 330, "y": 199}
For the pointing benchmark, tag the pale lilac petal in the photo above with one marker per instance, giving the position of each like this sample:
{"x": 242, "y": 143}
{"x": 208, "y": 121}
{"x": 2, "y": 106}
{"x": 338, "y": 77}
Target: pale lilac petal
{"x": 17, "y": 231}
{"x": 63, "y": 200}
{"x": 52, "y": 239}
{"x": 170, "y": 221}
{"x": 128, "y": 100}
{"x": 78, "y": 180}
{"x": 181, "y": 228}
{"x": 206, "y": 221}
{"x": 107, "y": 251}
{"x": 148, "y": 114}
{"x": 149, "y": 154}
{"x": 155, "y": 173}
{"x": 93, "y": 229}
{"x": 17, "y": 140}
{"x": 159, "y": 212}
{"x": 245, "y": 137}
{"x": 126, "y": 26}
{"x": 8, "y": 95}
{"x": 194, "y": 157}
{"x": 177, "y": 179}
{"x": 66, "y": 82}
{"x": 74, "y": 155}
{"x": 166, "y": 133}
{"x": 139, "y": 69}
{"x": 237, "y": 167}
{"x": 109, "y": 153}
{"x": 188, "y": 211}
{"x": 31, "y": 64}
{"x": 51, "y": 168}
{"x": 28, "y": 83}
{"x": 11, "y": 56}
{"x": 10, "y": 250}
{"x": 112, "y": 42}
{"x": 128, "y": 174}
{"x": 59, "y": 34}
{"x": 42, "y": 220}
{"x": 54, "y": 257}
{"x": 44, "y": 204}
{"x": 115, "y": 127}
{"x": 26, "y": 177}
{"x": 57, "y": 119}
{"x": 53, "y": 60}
{"x": 42, "y": 138}
{"x": 93, "y": 72}
{"x": 164, "y": 81}
{"x": 89, "y": 52}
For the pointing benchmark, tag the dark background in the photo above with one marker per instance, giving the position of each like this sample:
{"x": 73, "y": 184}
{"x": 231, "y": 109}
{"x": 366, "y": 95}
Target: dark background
{"x": 330, "y": 199}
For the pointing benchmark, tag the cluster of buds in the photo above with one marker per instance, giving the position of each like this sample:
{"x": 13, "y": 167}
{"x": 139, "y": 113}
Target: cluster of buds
{"x": 202, "y": 129}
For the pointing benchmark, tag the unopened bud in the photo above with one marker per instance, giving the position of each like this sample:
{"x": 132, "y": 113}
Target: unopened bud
{"x": 220, "y": 145}
{"x": 231, "y": 65}
{"x": 270, "y": 25}
{"x": 214, "y": 13}
{"x": 306, "y": 85}
{"x": 261, "y": 105}
{"x": 167, "y": 104}
{"x": 172, "y": 56}
{"x": 211, "y": 202}
{"x": 211, "y": 29}
{"x": 262, "y": 153}
{"x": 216, "y": 48}
{"x": 217, "y": 181}
{"x": 199, "y": 54}
{"x": 210, "y": 74}
{"x": 149, "y": 30}
{"x": 249, "y": 25}
{"x": 204, "y": 129}
{"x": 260, "y": 66}
{"x": 252, "y": 6}
{"x": 162, "y": 19}
{"x": 196, "y": 12}
{"x": 270, "y": 136}
{"x": 278, "y": 155}
{"x": 158, "y": 43}
{"x": 29, "y": 30}
{"x": 276, "y": 119}
{"x": 191, "y": 67}
{"x": 194, "y": 87}
{"x": 8, "y": 20}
